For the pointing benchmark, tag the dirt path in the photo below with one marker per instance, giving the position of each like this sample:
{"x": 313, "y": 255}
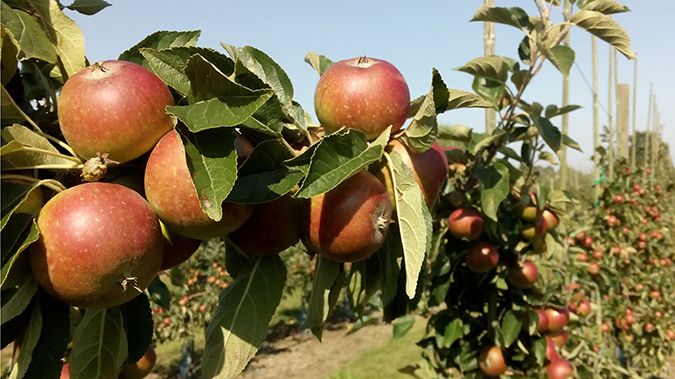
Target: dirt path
{"x": 303, "y": 357}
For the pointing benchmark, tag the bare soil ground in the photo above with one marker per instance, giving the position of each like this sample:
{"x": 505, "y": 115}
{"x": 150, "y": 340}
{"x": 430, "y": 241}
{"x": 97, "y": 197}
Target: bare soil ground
{"x": 301, "y": 356}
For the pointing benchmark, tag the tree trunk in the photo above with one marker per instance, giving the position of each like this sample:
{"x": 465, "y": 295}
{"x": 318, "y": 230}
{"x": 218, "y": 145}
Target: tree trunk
{"x": 596, "y": 118}
{"x": 622, "y": 114}
{"x": 562, "y": 154}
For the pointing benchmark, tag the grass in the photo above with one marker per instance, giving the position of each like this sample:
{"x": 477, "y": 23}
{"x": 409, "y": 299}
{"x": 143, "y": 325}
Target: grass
{"x": 385, "y": 361}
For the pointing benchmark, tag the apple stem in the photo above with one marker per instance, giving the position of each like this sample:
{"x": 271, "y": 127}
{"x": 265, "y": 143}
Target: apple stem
{"x": 98, "y": 66}
{"x": 383, "y": 223}
{"x": 132, "y": 282}
{"x": 363, "y": 59}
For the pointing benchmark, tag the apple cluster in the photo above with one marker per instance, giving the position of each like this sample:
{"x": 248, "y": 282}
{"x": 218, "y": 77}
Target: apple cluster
{"x": 103, "y": 241}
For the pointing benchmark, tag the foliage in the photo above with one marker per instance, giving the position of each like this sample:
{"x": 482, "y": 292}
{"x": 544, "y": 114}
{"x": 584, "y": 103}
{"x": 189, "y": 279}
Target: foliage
{"x": 233, "y": 296}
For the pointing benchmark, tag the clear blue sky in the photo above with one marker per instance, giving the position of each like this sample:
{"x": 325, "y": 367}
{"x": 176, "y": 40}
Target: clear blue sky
{"x": 414, "y": 36}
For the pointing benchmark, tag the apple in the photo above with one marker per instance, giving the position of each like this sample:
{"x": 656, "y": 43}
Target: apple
{"x": 551, "y": 218}
{"x": 430, "y": 168}
{"x": 559, "y": 338}
{"x": 491, "y": 361}
{"x": 557, "y": 319}
{"x": 594, "y": 269}
{"x": 142, "y": 367}
{"x": 551, "y": 349}
{"x": 65, "y": 371}
{"x": 482, "y": 257}
{"x": 272, "y": 228}
{"x": 582, "y": 257}
{"x": 619, "y": 199}
{"x": 528, "y": 214}
{"x": 542, "y": 320}
{"x": 536, "y": 231}
{"x": 560, "y": 369}
{"x": 362, "y": 93}
{"x": 173, "y": 196}
{"x": 649, "y": 327}
{"x": 523, "y": 275}
{"x": 114, "y": 107}
{"x": 350, "y": 222}
{"x": 100, "y": 245}
{"x": 584, "y": 308}
{"x": 466, "y": 223}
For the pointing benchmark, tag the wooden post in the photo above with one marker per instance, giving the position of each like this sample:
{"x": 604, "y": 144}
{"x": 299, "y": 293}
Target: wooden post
{"x": 645, "y": 153}
{"x": 596, "y": 118}
{"x": 633, "y": 150}
{"x": 656, "y": 144}
{"x": 489, "y": 49}
{"x": 622, "y": 110}
{"x": 562, "y": 154}
{"x": 610, "y": 116}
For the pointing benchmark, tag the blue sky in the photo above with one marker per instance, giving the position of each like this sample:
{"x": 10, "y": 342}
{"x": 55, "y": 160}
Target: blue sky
{"x": 415, "y": 38}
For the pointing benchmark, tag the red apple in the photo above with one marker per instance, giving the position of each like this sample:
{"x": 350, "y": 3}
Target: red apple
{"x": 557, "y": 319}
{"x": 559, "y": 338}
{"x": 523, "y": 275}
{"x": 350, "y": 222}
{"x": 65, "y": 371}
{"x": 584, "y": 308}
{"x": 430, "y": 168}
{"x": 100, "y": 245}
{"x": 114, "y": 107}
{"x": 551, "y": 349}
{"x": 542, "y": 320}
{"x": 482, "y": 257}
{"x": 619, "y": 199}
{"x": 272, "y": 228}
{"x": 466, "y": 223}
{"x": 172, "y": 195}
{"x": 649, "y": 327}
{"x": 363, "y": 93}
{"x": 551, "y": 218}
{"x": 594, "y": 269}
{"x": 560, "y": 369}
{"x": 491, "y": 361}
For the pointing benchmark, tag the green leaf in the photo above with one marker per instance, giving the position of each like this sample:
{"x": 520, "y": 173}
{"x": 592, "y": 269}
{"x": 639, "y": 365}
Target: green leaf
{"x": 423, "y": 128}
{"x": 562, "y": 57}
{"x": 413, "y": 218}
{"x": 338, "y": 157}
{"x": 511, "y": 326}
{"x": 263, "y": 177}
{"x": 553, "y": 111}
{"x": 567, "y": 141}
{"x": 495, "y": 187}
{"x": 64, "y": 34}
{"x": 160, "y": 40}
{"x": 21, "y": 232}
{"x": 318, "y": 62}
{"x": 455, "y": 132}
{"x": 549, "y": 132}
{"x": 402, "y": 325}
{"x": 540, "y": 350}
{"x": 28, "y": 341}
{"x": 10, "y": 112}
{"x": 604, "y": 6}
{"x": 605, "y": 28}
{"x": 249, "y": 59}
{"x": 32, "y": 39}
{"x": 494, "y": 68}
{"x": 19, "y": 300}
{"x": 461, "y": 99}
{"x": 322, "y": 299}
{"x": 137, "y": 317}
{"x": 214, "y": 113}
{"x": 240, "y": 323}
{"x": 35, "y": 152}
{"x": 10, "y": 56}
{"x": 491, "y": 90}
{"x": 99, "y": 345}
{"x": 513, "y": 16}
{"x": 548, "y": 157}
{"x": 171, "y": 64}
{"x": 159, "y": 293}
{"x": 454, "y": 330}
{"x": 54, "y": 337}
{"x": 212, "y": 160}
{"x": 390, "y": 259}
{"x": 13, "y": 195}
{"x": 88, "y": 7}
